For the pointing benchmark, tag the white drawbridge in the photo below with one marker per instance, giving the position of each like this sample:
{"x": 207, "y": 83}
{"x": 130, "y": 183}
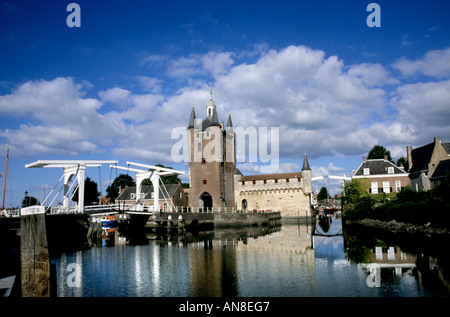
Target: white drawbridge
{"x": 151, "y": 172}
{"x": 71, "y": 168}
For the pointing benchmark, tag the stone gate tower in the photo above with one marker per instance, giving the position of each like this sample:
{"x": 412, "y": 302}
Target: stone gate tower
{"x": 212, "y": 160}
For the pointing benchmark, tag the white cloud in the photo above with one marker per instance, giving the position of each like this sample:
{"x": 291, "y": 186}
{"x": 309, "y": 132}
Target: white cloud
{"x": 434, "y": 63}
{"x": 320, "y": 105}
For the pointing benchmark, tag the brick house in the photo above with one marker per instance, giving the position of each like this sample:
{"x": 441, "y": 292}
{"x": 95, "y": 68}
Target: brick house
{"x": 382, "y": 175}
{"x": 173, "y": 191}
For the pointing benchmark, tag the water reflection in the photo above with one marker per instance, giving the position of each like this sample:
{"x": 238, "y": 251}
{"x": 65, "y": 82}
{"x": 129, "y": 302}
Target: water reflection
{"x": 300, "y": 259}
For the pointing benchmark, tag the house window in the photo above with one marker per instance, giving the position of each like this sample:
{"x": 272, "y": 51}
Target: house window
{"x": 374, "y": 187}
{"x": 298, "y": 179}
{"x": 390, "y": 170}
{"x": 276, "y": 181}
{"x": 366, "y": 171}
{"x": 254, "y": 182}
{"x": 181, "y": 195}
{"x": 287, "y": 180}
{"x": 204, "y": 182}
{"x": 243, "y": 183}
{"x": 398, "y": 186}
{"x": 386, "y": 188}
{"x": 265, "y": 181}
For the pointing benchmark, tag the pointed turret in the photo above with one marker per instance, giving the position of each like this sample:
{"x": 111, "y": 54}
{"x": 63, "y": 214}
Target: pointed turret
{"x": 306, "y": 177}
{"x": 229, "y": 122}
{"x": 192, "y": 119}
{"x": 306, "y": 164}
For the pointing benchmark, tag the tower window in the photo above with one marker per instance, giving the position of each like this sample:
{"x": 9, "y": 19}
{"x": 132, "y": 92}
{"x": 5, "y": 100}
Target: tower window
{"x": 205, "y": 182}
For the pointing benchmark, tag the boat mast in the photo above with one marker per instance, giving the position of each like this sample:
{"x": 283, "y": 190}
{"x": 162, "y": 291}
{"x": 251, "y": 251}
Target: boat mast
{"x": 4, "y": 181}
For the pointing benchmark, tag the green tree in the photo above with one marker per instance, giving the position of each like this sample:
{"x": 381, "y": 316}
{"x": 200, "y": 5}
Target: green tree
{"x": 323, "y": 194}
{"x": 30, "y": 201}
{"x": 91, "y": 193}
{"x": 121, "y": 181}
{"x": 378, "y": 152}
{"x": 356, "y": 199}
{"x": 403, "y": 162}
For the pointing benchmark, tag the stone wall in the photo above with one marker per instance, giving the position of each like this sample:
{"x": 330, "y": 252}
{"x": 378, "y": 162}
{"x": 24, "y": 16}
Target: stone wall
{"x": 285, "y": 196}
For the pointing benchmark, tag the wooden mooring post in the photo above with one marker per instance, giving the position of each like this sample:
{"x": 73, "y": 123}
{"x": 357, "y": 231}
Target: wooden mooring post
{"x": 35, "y": 260}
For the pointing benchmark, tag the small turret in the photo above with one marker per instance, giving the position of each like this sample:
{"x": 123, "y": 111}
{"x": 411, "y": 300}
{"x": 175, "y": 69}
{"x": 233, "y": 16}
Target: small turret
{"x": 306, "y": 176}
{"x": 192, "y": 119}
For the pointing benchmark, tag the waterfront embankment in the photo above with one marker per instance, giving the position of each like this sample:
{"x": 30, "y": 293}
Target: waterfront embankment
{"x": 401, "y": 227}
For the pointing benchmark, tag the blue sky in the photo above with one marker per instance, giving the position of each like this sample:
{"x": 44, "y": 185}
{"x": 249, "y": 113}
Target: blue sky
{"x": 117, "y": 86}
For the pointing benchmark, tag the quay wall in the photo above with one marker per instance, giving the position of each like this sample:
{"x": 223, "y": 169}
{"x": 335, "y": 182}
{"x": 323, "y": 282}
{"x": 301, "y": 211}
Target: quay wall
{"x": 221, "y": 220}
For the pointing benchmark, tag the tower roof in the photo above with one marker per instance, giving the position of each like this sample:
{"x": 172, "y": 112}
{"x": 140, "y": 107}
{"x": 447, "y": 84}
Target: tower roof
{"x": 306, "y": 164}
{"x": 192, "y": 119}
{"x": 229, "y": 123}
{"x": 211, "y": 115}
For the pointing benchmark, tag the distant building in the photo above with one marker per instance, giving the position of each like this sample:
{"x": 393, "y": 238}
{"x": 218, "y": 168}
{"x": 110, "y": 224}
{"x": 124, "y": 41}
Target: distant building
{"x": 383, "y": 176}
{"x": 170, "y": 193}
{"x": 428, "y": 164}
{"x": 289, "y": 193}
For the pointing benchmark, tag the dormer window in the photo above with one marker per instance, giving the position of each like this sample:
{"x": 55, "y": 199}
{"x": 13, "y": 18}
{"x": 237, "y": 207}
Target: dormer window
{"x": 390, "y": 170}
{"x": 366, "y": 171}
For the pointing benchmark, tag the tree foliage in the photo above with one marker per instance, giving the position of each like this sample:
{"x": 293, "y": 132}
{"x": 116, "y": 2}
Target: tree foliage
{"x": 91, "y": 193}
{"x": 121, "y": 181}
{"x": 29, "y": 201}
{"x": 378, "y": 152}
{"x": 423, "y": 207}
{"x": 323, "y": 194}
{"x": 356, "y": 198}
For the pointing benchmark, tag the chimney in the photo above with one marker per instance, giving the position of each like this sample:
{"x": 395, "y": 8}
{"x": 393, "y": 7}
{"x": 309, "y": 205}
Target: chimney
{"x": 385, "y": 157}
{"x": 437, "y": 140}
{"x": 409, "y": 156}
{"x": 364, "y": 159}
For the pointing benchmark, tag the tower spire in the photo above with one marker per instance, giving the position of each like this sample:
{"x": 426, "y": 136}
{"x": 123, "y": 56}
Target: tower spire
{"x": 306, "y": 164}
{"x": 192, "y": 119}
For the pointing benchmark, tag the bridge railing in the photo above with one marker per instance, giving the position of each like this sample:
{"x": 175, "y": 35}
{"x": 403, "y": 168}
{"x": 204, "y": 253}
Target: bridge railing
{"x": 150, "y": 209}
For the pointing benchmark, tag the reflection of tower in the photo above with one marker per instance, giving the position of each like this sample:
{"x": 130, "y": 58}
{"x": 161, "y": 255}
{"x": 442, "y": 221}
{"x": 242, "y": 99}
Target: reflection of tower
{"x": 211, "y": 160}
{"x": 213, "y": 269}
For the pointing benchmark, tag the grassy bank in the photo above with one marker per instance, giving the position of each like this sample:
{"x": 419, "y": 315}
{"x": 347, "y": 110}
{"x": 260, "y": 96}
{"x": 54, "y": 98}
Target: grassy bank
{"x": 431, "y": 207}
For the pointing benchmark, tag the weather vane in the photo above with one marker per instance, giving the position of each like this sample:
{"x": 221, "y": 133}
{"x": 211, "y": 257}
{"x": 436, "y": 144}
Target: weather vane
{"x": 210, "y": 88}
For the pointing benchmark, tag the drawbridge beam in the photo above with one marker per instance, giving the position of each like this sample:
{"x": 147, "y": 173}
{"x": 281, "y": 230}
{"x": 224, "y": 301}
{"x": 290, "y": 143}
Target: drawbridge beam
{"x": 71, "y": 168}
{"x": 153, "y": 173}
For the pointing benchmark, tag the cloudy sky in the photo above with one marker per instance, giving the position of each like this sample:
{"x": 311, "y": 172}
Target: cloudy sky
{"x": 118, "y": 86}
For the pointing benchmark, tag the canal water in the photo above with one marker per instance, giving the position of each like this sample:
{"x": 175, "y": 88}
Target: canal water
{"x": 293, "y": 260}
